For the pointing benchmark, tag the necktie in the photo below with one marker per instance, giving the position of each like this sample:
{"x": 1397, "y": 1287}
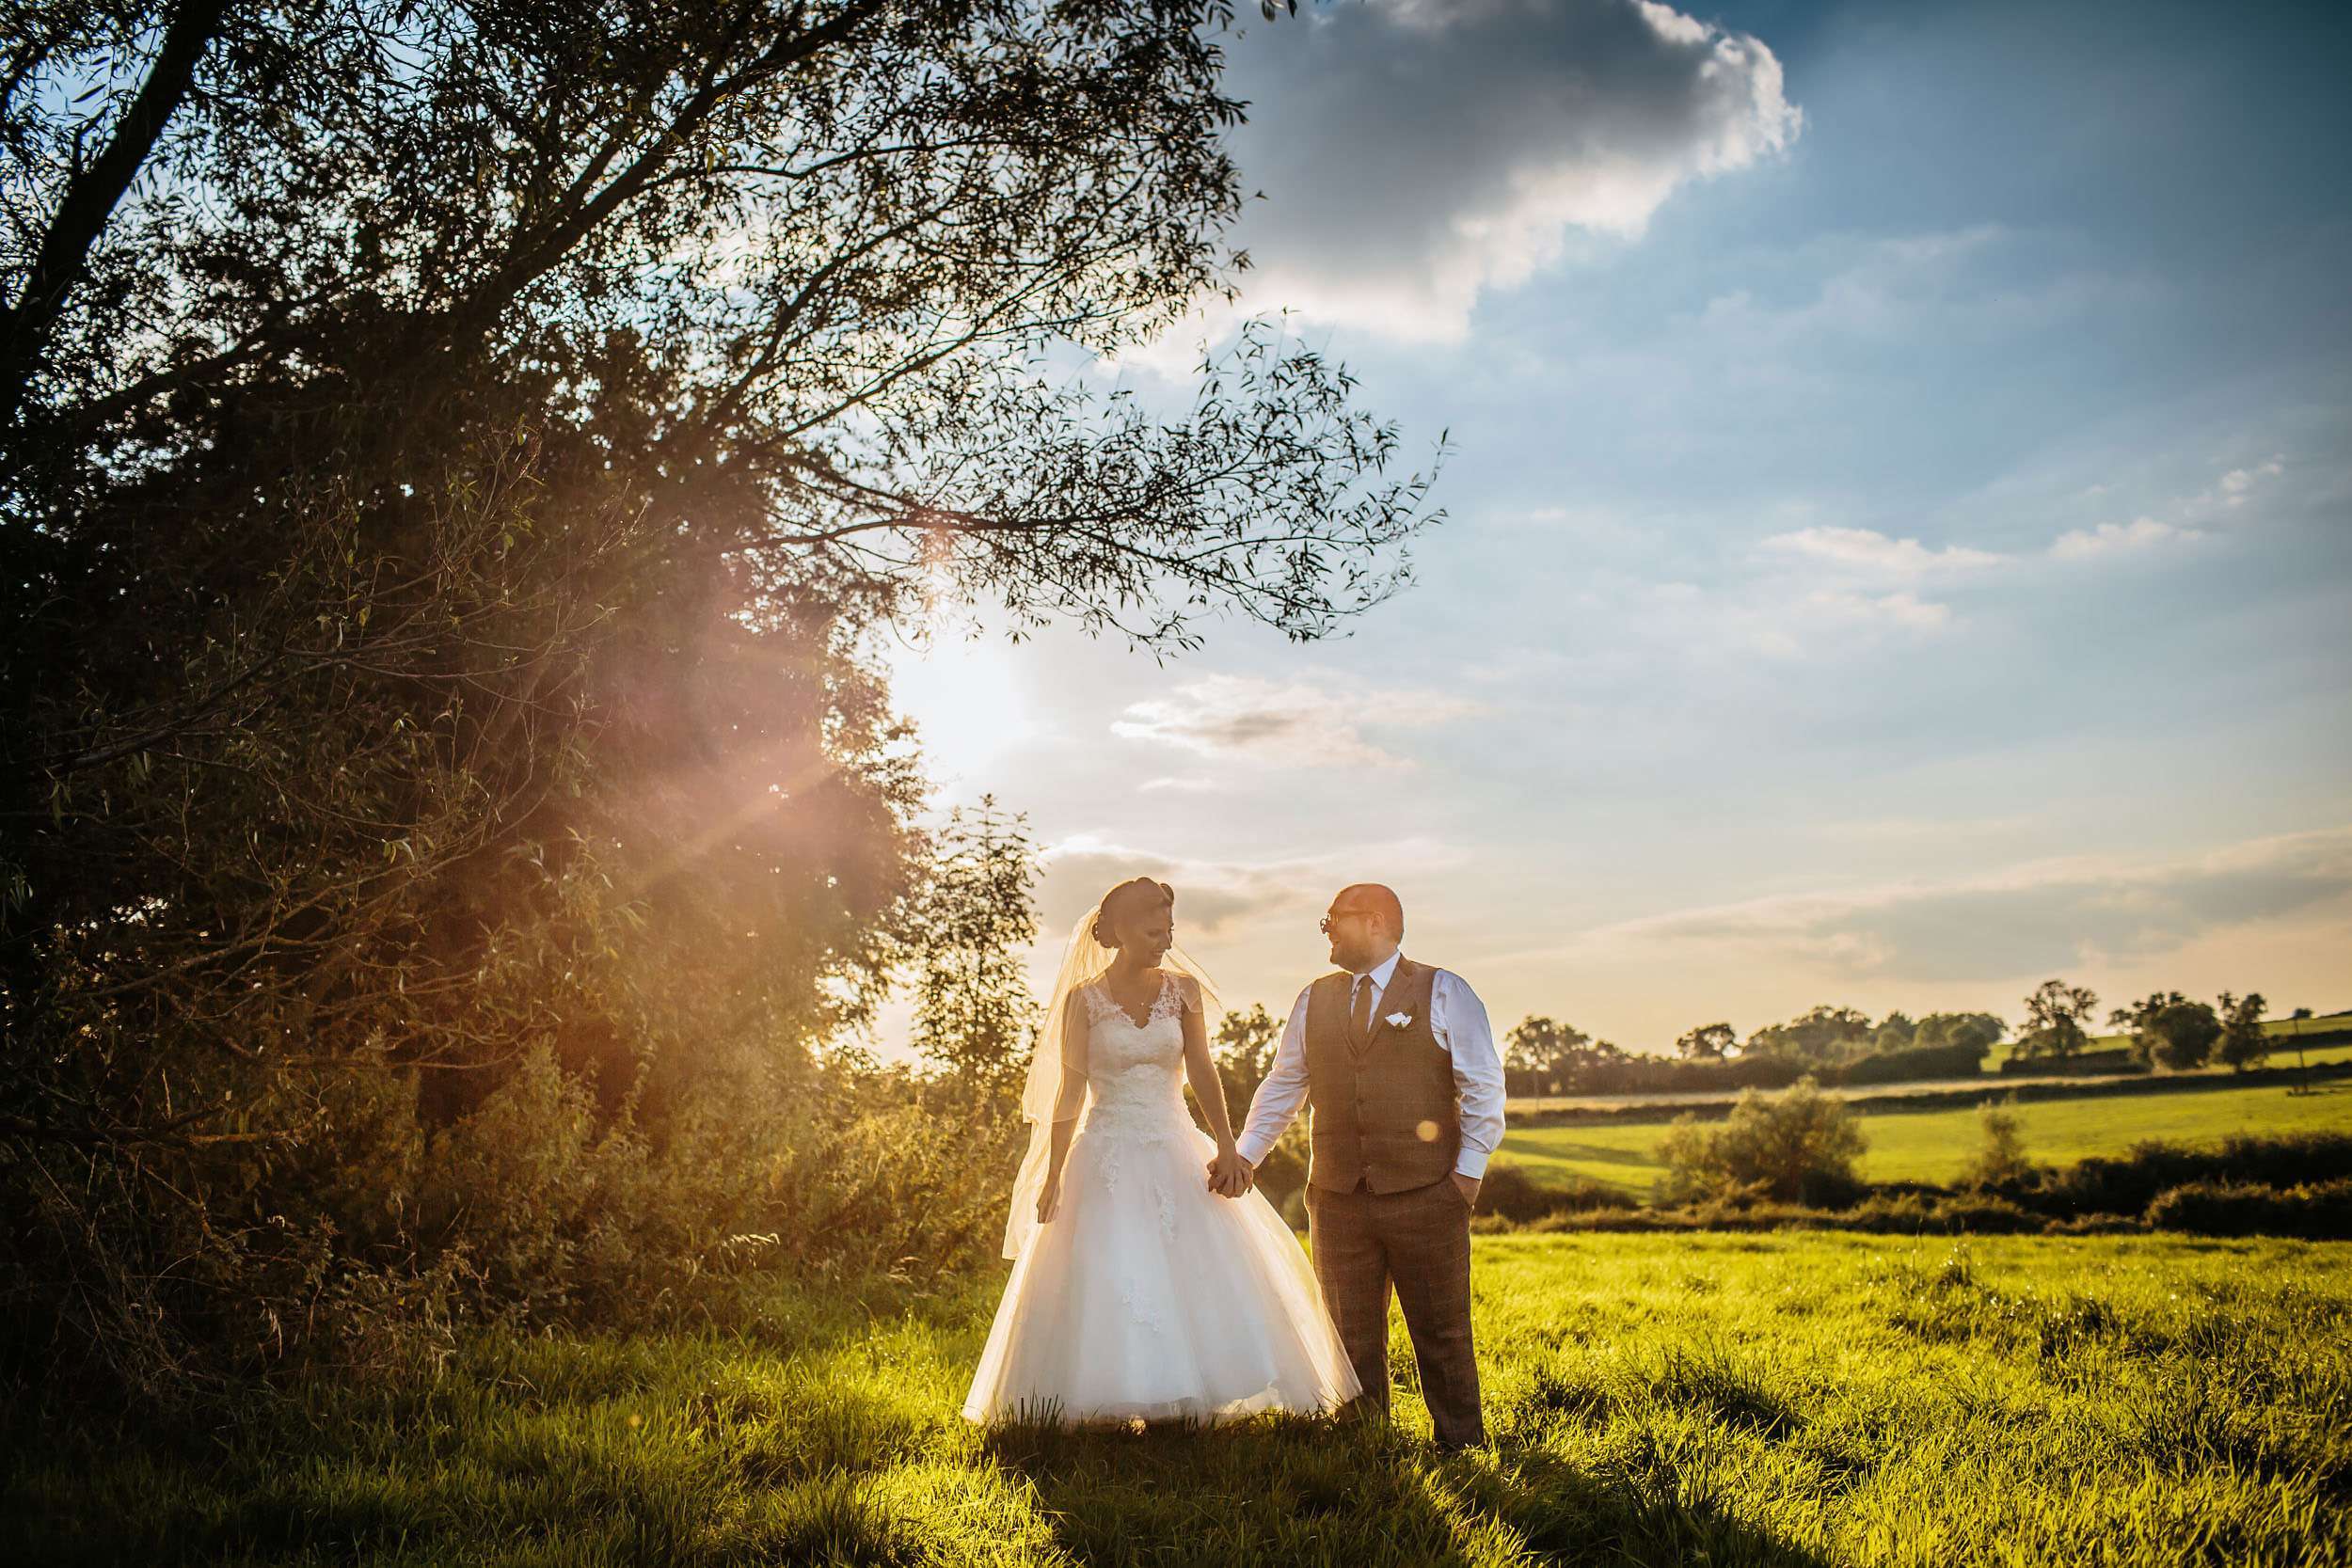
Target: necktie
{"x": 1359, "y": 1020}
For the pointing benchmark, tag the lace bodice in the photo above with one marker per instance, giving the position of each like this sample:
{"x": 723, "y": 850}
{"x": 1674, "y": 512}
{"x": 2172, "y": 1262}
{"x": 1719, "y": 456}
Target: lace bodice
{"x": 1134, "y": 1073}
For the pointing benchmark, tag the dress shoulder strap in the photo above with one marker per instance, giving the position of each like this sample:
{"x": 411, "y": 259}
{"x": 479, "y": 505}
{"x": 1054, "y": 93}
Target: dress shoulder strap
{"x": 1171, "y": 999}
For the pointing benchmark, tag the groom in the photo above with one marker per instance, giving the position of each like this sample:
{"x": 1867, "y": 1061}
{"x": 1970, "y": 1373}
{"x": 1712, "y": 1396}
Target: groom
{"x": 1399, "y": 1064}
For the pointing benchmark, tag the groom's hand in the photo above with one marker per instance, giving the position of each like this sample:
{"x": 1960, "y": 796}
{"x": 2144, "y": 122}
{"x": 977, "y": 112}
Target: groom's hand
{"x": 1229, "y": 1175}
{"x": 1467, "y": 1187}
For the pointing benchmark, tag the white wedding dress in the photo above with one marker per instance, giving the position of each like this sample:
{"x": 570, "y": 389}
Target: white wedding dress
{"x": 1146, "y": 1296}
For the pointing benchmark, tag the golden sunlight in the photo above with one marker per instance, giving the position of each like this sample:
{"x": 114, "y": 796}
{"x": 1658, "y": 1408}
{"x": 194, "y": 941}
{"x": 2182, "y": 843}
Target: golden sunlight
{"x": 969, "y": 704}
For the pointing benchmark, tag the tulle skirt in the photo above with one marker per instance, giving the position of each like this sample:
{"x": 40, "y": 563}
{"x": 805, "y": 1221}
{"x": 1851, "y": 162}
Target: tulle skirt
{"x": 1148, "y": 1297}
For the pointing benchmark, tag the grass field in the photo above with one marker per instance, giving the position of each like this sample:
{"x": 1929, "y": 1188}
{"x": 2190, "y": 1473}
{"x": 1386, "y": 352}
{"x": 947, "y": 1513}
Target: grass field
{"x": 1776, "y": 1399}
{"x": 1933, "y": 1146}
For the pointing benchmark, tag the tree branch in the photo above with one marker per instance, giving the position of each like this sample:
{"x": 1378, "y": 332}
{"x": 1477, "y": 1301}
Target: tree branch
{"x": 91, "y": 196}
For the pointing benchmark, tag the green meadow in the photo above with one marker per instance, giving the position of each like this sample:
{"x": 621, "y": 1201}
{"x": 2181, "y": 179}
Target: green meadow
{"x": 1773, "y": 1399}
{"x": 1934, "y": 1146}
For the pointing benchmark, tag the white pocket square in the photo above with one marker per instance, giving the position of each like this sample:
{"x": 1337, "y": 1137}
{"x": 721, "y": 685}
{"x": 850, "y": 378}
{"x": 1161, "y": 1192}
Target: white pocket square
{"x": 1398, "y": 1020}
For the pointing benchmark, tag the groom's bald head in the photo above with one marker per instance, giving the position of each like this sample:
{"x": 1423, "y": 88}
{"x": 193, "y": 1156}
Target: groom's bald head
{"x": 1381, "y": 903}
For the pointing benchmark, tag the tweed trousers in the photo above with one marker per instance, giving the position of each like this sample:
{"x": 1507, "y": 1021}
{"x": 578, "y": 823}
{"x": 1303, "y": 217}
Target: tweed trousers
{"x": 1417, "y": 1240}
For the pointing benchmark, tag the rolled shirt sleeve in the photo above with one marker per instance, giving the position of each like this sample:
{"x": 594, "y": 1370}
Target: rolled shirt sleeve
{"x": 1275, "y": 1104}
{"x": 1458, "y": 1018}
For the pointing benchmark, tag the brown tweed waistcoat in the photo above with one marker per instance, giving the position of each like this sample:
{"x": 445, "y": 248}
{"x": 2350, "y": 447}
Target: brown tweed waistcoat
{"x": 1384, "y": 1114}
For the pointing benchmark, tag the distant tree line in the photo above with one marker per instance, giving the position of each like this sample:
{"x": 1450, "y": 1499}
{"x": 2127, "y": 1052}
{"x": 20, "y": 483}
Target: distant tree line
{"x": 1841, "y": 1044}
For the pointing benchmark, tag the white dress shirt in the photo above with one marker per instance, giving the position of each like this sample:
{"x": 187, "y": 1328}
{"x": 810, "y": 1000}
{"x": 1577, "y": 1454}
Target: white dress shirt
{"x": 1457, "y": 1017}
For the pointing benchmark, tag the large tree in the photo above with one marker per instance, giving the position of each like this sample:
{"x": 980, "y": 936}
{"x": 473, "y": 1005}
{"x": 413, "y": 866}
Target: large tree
{"x": 2245, "y": 1043}
{"x": 2054, "y": 1021}
{"x": 1707, "y": 1042}
{"x": 2168, "y": 1029}
{"x": 448, "y": 456}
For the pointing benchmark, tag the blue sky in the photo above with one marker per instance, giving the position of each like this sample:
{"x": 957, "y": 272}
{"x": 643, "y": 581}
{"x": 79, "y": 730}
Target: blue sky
{"x": 1900, "y": 540}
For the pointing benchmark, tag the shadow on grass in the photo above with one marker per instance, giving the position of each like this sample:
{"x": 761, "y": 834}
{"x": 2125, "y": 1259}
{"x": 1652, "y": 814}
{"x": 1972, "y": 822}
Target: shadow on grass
{"x": 1289, "y": 1490}
{"x": 1636, "y": 1509}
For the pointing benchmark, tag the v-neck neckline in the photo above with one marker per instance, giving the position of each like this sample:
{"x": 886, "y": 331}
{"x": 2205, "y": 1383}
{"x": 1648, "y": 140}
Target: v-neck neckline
{"x": 1149, "y": 1007}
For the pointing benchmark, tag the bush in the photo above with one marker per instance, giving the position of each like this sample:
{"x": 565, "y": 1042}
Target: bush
{"x": 1912, "y": 1214}
{"x": 1799, "y": 1147}
{"x": 2321, "y": 1211}
{"x": 1962, "y": 1058}
{"x": 2000, "y": 1158}
{"x": 1511, "y": 1193}
{"x": 2119, "y": 1059}
{"x": 1672, "y": 1075}
{"x": 2129, "y": 1184}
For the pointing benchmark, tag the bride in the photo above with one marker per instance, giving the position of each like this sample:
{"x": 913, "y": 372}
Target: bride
{"x": 1138, "y": 1294}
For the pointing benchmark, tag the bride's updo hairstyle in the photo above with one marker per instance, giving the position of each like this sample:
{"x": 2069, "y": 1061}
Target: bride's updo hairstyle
{"x": 1106, "y": 923}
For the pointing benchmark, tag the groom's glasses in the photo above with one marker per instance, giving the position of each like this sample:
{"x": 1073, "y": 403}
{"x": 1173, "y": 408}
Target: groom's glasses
{"x": 1325, "y": 924}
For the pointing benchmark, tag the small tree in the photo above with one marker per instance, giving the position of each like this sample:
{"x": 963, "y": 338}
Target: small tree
{"x": 1896, "y": 1031}
{"x": 1799, "y": 1145}
{"x": 2168, "y": 1029}
{"x": 2244, "y": 1041}
{"x": 1708, "y": 1042}
{"x": 2054, "y": 1021}
{"x": 1244, "y": 1048}
{"x": 973, "y": 923}
{"x": 2000, "y": 1156}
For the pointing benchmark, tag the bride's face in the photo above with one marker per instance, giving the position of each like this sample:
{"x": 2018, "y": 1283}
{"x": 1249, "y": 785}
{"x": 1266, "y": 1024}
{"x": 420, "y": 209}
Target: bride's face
{"x": 1146, "y": 927}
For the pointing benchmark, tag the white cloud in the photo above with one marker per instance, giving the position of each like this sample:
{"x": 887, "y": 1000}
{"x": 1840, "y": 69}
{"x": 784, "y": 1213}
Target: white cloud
{"x": 2239, "y": 483}
{"x": 2109, "y": 539}
{"x": 1861, "y": 553}
{"x": 2192, "y": 519}
{"x": 1293, "y": 723}
{"x": 1867, "y": 550}
{"x": 1902, "y": 608}
{"x": 1418, "y": 153}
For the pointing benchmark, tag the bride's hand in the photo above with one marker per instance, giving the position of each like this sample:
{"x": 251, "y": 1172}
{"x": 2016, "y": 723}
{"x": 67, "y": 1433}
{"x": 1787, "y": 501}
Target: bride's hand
{"x": 1048, "y": 1200}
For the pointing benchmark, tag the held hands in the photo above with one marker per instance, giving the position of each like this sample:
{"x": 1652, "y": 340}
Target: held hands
{"x": 1229, "y": 1175}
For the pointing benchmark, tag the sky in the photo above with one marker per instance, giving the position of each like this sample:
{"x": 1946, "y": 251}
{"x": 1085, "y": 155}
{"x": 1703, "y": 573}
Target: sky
{"x": 1899, "y": 539}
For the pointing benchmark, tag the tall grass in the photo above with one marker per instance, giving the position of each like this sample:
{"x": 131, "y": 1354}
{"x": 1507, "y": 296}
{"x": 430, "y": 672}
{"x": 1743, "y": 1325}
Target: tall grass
{"x": 1766, "y": 1399}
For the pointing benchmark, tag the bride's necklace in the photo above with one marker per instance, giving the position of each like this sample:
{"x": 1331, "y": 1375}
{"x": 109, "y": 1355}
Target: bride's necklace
{"x": 1121, "y": 1004}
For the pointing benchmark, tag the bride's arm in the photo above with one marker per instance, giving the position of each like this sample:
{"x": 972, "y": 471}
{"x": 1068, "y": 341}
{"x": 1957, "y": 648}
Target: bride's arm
{"x": 1206, "y": 1087}
{"x": 1074, "y": 1030}
{"x": 1066, "y": 1108}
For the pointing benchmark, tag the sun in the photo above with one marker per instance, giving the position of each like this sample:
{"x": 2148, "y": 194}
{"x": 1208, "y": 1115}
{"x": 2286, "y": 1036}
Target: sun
{"x": 970, "y": 704}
